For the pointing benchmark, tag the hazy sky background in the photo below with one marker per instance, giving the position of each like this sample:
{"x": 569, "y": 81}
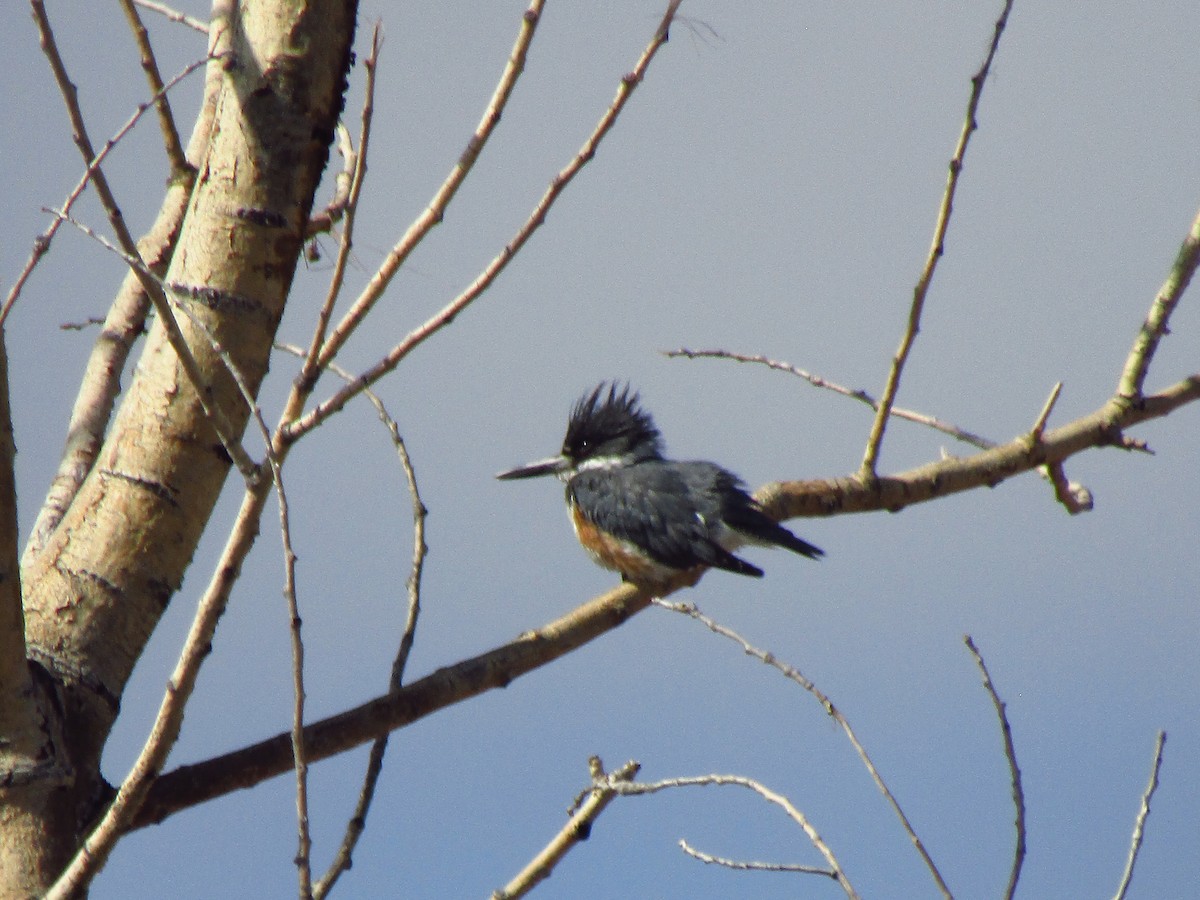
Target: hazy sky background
{"x": 770, "y": 189}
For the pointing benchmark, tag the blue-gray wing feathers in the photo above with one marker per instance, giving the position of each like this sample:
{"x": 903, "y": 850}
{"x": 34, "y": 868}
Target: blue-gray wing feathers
{"x": 681, "y": 513}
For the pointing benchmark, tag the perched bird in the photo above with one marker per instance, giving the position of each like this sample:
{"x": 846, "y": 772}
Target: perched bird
{"x": 645, "y": 516}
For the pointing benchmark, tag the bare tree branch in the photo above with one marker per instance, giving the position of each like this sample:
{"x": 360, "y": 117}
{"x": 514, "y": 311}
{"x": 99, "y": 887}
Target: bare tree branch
{"x": 1133, "y": 378}
{"x": 954, "y": 431}
{"x": 189, "y": 785}
{"x": 692, "y": 611}
{"x": 746, "y": 866}
{"x": 1074, "y": 497}
{"x": 445, "y": 193}
{"x": 299, "y": 753}
{"x": 1102, "y": 428}
{"x": 357, "y": 822}
{"x": 173, "y": 15}
{"x": 447, "y": 314}
{"x": 867, "y": 471}
{"x": 243, "y": 768}
{"x": 187, "y": 360}
{"x": 1014, "y": 770}
{"x": 310, "y": 370}
{"x": 216, "y": 416}
{"x": 166, "y": 121}
{"x": 579, "y": 826}
{"x": 1139, "y": 825}
{"x": 634, "y": 788}
{"x": 101, "y": 382}
{"x": 124, "y": 323}
{"x": 42, "y": 242}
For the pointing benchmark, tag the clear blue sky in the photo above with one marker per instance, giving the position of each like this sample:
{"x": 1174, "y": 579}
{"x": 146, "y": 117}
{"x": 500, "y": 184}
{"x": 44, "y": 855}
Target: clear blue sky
{"x": 771, "y": 189}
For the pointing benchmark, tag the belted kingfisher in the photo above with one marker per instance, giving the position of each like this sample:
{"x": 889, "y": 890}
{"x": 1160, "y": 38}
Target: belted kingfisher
{"x": 645, "y": 516}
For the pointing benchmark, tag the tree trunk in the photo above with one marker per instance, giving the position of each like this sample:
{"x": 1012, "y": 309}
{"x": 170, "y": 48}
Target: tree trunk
{"x": 95, "y": 592}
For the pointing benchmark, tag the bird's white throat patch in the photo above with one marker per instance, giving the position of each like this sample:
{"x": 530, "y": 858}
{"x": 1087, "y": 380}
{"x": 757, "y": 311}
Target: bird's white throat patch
{"x": 603, "y": 463}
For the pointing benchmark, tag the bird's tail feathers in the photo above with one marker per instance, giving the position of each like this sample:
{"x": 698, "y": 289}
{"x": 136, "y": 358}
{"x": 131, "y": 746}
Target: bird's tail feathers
{"x": 761, "y": 529}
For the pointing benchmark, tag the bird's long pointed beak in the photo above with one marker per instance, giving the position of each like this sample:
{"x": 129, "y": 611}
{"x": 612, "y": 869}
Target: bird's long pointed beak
{"x": 554, "y": 465}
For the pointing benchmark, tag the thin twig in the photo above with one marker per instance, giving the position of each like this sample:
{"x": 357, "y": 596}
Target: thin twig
{"x": 1039, "y": 425}
{"x": 1139, "y": 825}
{"x": 357, "y": 822}
{"x": 959, "y": 434}
{"x": 1018, "y": 793}
{"x": 692, "y": 611}
{"x": 858, "y": 394}
{"x": 436, "y": 209}
{"x": 41, "y": 244}
{"x": 173, "y": 15}
{"x": 750, "y": 866}
{"x": 1074, "y": 497}
{"x": 1133, "y": 377}
{"x": 635, "y": 788}
{"x": 310, "y": 370}
{"x": 335, "y": 209}
{"x": 484, "y": 280}
{"x": 166, "y": 121}
{"x": 299, "y": 754}
{"x": 347, "y": 206}
{"x": 937, "y": 248}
